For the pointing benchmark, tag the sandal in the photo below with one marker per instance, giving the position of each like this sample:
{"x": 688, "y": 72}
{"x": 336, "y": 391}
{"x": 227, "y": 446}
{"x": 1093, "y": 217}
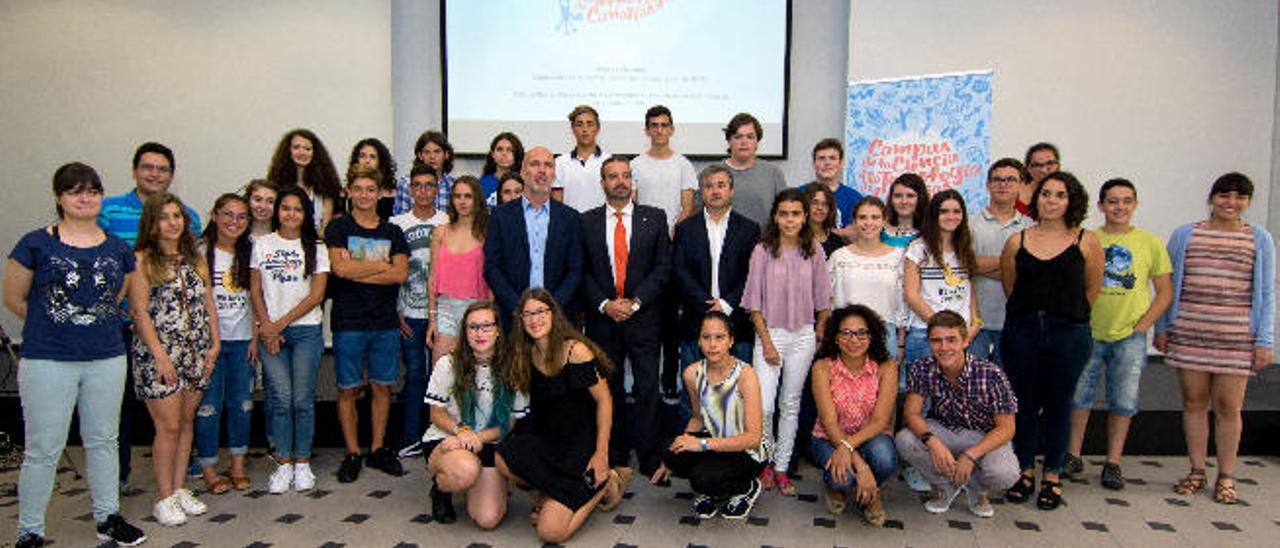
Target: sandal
{"x": 874, "y": 513}
{"x": 1192, "y": 484}
{"x": 615, "y": 489}
{"x": 766, "y": 478}
{"x": 1021, "y": 491}
{"x": 785, "y": 487}
{"x": 1224, "y": 493}
{"x": 241, "y": 483}
{"x": 1050, "y": 497}
{"x": 835, "y": 502}
{"x": 217, "y": 486}
{"x": 538, "y": 501}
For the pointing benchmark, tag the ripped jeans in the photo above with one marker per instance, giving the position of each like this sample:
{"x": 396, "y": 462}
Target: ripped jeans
{"x": 230, "y": 388}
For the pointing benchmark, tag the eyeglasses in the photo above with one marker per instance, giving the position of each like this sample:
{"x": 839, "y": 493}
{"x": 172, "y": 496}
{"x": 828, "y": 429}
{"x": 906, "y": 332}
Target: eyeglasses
{"x": 155, "y": 168}
{"x": 481, "y": 327}
{"x": 1038, "y": 165}
{"x": 238, "y": 217}
{"x": 416, "y": 186}
{"x": 862, "y": 334}
{"x": 533, "y": 313}
{"x": 1005, "y": 180}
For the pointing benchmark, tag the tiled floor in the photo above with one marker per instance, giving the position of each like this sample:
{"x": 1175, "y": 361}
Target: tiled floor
{"x": 382, "y": 511}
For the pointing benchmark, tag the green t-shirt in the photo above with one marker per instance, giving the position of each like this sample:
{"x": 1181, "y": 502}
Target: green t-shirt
{"x": 1132, "y": 260}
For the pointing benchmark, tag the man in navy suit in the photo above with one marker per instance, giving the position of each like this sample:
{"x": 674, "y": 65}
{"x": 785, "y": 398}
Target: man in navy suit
{"x": 710, "y": 258}
{"x": 534, "y": 241}
{"x": 628, "y": 263}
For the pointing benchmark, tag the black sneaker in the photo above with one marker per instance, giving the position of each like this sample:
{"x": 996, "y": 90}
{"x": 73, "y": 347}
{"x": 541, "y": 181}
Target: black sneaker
{"x": 409, "y": 451}
{"x": 1072, "y": 466}
{"x": 705, "y": 507}
{"x": 115, "y": 528}
{"x": 349, "y": 470}
{"x": 740, "y": 505}
{"x": 386, "y": 460}
{"x": 29, "y": 540}
{"x": 442, "y": 506}
{"x": 1112, "y": 477}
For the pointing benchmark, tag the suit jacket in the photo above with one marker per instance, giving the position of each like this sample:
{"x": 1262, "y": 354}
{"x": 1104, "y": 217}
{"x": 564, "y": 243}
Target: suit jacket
{"x": 691, "y": 263}
{"x": 506, "y": 255}
{"x": 648, "y": 265}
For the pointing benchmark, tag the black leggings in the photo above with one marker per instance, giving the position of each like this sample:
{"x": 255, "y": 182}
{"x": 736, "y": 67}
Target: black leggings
{"x": 713, "y": 473}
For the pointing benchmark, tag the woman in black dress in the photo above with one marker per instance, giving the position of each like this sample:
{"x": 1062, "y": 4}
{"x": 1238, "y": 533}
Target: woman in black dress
{"x": 561, "y": 449}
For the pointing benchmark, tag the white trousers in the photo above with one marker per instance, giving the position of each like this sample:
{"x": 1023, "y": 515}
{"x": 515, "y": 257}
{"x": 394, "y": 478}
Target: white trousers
{"x": 781, "y": 386}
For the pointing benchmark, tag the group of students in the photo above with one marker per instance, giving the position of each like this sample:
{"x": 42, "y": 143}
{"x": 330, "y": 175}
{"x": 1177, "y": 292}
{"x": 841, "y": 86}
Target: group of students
{"x": 803, "y": 314}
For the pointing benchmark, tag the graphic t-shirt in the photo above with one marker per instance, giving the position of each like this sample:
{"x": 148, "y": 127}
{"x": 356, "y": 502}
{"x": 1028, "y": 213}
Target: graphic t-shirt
{"x": 235, "y": 314}
{"x": 71, "y": 308}
{"x": 943, "y": 288}
{"x": 281, "y": 265}
{"x": 440, "y": 394}
{"x": 417, "y": 235}
{"x": 1132, "y": 260}
{"x": 359, "y": 306}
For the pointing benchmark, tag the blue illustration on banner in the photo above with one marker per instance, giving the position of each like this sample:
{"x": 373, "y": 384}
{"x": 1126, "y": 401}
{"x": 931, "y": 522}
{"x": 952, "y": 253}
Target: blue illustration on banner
{"x": 938, "y": 127}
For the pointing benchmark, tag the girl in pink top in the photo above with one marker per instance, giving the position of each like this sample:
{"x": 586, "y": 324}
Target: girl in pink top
{"x": 456, "y": 276}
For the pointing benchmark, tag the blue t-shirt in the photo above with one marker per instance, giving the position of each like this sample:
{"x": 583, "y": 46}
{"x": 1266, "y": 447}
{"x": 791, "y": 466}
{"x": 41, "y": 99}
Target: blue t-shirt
{"x": 71, "y": 310}
{"x": 846, "y": 198}
{"x": 120, "y": 214}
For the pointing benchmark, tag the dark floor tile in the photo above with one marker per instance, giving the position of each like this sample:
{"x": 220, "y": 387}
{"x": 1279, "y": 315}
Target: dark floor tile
{"x": 478, "y": 545}
{"x": 624, "y": 519}
{"x": 404, "y": 544}
{"x": 256, "y": 493}
{"x": 1243, "y": 503}
{"x": 1257, "y": 463}
{"x": 86, "y": 517}
{"x": 148, "y": 519}
{"x": 1117, "y": 502}
{"x": 628, "y": 494}
{"x": 258, "y": 544}
{"x": 758, "y": 521}
{"x": 807, "y": 497}
{"x": 824, "y": 522}
{"x": 318, "y": 493}
{"x": 1246, "y": 481}
{"x": 222, "y": 518}
{"x": 1161, "y": 526}
{"x": 1026, "y": 526}
{"x": 692, "y": 545}
{"x": 289, "y": 518}
{"x": 1226, "y": 526}
{"x": 690, "y": 520}
{"x": 1172, "y": 501}
{"x": 1096, "y": 462}
{"x": 684, "y": 495}
{"x": 107, "y": 544}
{"x": 356, "y": 518}
{"x": 795, "y": 477}
{"x": 1094, "y": 526}
{"x": 64, "y": 469}
{"x": 8, "y": 503}
{"x": 132, "y": 492}
{"x": 895, "y": 524}
{"x": 421, "y": 518}
{"x": 621, "y": 545}
{"x": 185, "y": 544}
{"x": 1078, "y": 481}
{"x": 332, "y": 544}
{"x": 1136, "y": 481}
{"x": 74, "y": 491}
{"x": 381, "y": 494}
{"x": 1152, "y": 463}
{"x": 998, "y": 501}
{"x": 959, "y": 524}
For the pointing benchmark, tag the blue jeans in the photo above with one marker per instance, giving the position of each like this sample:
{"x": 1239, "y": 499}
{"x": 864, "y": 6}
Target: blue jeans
{"x": 1043, "y": 356}
{"x": 915, "y": 347}
{"x": 50, "y": 390}
{"x": 879, "y": 453}
{"x": 381, "y": 348}
{"x": 1124, "y": 361}
{"x": 690, "y": 352}
{"x": 293, "y": 388}
{"x": 413, "y": 349}
{"x": 229, "y": 388}
{"x": 986, "y": 345}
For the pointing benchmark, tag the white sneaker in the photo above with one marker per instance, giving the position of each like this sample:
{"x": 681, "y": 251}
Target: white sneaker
{"x": 280, "y": 479}
{"x": 979, "y": 503}
{"x": 168, "y": 513}
{"x": 303, "y": 479}
{"x": 941, "y": 501}
{"x": 189, "y": 503}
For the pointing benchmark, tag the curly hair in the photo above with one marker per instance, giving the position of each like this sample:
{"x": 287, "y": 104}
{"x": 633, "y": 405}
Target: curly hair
{"x": 386, "y": 164}
{"x": 915, "y": 183}
{"x": 520, "y": 370}
{"x": 517, "y": 152}
{"x": 319, "y": 176}
{"x": 239, "y": 270}
{"x": 1077, "y": 198}
{"x": 771, "y": 236}
{"x": 480, "y": 211}
{"x": 961, "y": 240}
{"x": 876, "y": 346}
{"x": 155, "y": 265}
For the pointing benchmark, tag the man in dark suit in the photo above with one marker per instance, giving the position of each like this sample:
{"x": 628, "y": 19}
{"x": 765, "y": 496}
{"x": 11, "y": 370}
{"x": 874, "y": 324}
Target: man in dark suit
{"x": 710, "y": 258}
{"x": 628, "y": 263}
{"x": 534, "y": 241}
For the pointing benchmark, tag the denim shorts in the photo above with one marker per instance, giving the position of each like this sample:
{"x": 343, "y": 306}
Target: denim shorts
{"x": 449, "y": 313}
{"x": 351, "y": 348}
{"x": 1124, "y": 361}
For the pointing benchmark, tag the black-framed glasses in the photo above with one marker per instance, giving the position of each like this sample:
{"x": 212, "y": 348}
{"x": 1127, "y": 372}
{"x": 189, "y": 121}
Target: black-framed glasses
{"x": 241, "y": 217}
{"x": 534, "y": 313}
{"x": 483, "y": 327}
{"x": 861, "y": 333}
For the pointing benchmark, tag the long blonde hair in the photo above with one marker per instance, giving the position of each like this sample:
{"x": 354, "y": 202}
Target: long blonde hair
{"x": 155, "y": 265}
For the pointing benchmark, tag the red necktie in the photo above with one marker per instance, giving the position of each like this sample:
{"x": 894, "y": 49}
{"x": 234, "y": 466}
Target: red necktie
{"x": 619, "y": 254}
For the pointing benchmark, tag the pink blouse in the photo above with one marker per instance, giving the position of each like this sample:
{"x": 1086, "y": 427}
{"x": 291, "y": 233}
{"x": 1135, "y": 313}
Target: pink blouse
{"x": 854, "y": 395}
{"x": 460, "y": 276}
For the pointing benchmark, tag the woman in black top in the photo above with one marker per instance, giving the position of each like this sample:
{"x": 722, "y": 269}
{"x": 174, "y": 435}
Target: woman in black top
{"x": 561, "y": 449}
{"x": 1052, "y": 273}
{"x": 822, "y": 217}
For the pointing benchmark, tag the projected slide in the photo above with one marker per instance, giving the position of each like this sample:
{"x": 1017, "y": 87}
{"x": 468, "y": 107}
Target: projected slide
{"x": 522, "y": 65}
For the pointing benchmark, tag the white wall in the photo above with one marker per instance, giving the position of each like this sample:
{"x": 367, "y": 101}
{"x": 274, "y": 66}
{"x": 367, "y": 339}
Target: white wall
{"x": 219, "y": 82}
{"x": 1169, "y": 94}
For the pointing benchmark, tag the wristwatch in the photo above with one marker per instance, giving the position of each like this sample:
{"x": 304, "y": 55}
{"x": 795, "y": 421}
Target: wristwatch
{"x": 925, "y": 437}
{"x": 704, "y": 445}
{"x": 635, "y": 305}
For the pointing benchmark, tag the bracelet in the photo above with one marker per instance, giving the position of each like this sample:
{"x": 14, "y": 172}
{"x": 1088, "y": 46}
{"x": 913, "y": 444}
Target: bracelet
{"x": 966, "y": 455}
{"x": 460, "y": 428}
{"x": 847, "y": 445}
{"x": 704, "y": 445}
{"x": 925, "y": 437}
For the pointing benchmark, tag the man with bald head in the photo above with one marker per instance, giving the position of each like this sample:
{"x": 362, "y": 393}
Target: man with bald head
{"x": 533, "y": 241}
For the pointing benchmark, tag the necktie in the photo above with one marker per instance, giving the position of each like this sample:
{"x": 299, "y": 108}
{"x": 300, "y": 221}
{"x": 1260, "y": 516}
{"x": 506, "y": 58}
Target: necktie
{"x": 619, "y": 254}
